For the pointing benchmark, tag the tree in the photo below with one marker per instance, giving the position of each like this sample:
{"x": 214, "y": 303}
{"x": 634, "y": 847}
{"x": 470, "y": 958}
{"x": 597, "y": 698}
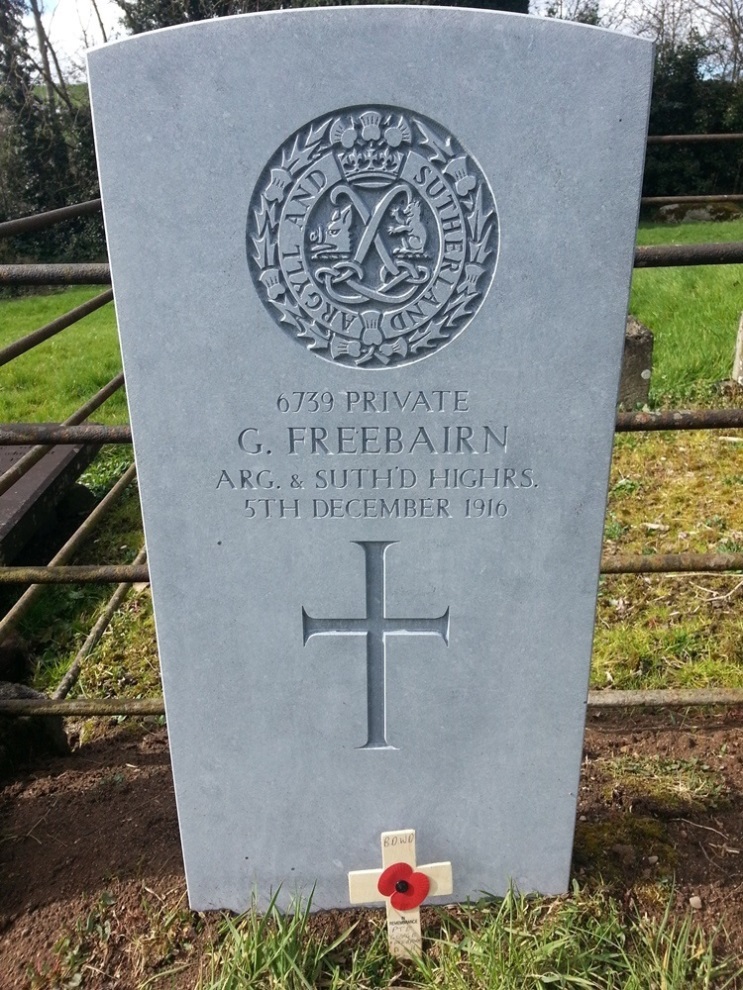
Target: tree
{"x": 34, "y": 149}
{"x": 147, "y": 15}
{"x": 669, "y": 23}
{"x": 720, "y": 22}
{"x": 46, "y": 147}
{"x": 672, "y": 24}
{"x": 580, "y": 11}
{"x": 687, "y": 101}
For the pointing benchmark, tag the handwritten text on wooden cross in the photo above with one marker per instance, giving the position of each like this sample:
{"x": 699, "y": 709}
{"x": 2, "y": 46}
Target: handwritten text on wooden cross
{"x": 376, "y": 626}
{"x": 403, "y": 927}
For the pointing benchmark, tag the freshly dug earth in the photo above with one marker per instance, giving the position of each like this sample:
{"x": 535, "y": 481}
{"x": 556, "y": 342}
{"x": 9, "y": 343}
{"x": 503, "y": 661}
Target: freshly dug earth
{"x": 92, "y": 875}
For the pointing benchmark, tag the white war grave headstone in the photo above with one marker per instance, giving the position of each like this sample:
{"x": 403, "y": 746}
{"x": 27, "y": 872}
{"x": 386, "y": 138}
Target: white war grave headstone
{"x": 338, "y": 239}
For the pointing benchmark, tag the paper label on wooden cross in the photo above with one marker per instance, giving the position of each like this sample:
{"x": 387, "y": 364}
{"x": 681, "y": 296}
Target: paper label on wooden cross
{"x": 403, "y": 927}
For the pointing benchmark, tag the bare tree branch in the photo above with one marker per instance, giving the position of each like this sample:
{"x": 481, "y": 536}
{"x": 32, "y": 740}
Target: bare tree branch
{"x": 721, "y": 24}
{"x": 100, "y": 20}
{"x": 41, "y": 41}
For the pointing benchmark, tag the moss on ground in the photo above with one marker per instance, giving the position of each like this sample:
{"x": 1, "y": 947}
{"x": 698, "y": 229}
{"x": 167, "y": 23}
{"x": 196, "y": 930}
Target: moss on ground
{"x": 662, "y": 787}
{"x": 618, "y": 850}
{"x": 672, "y": 493}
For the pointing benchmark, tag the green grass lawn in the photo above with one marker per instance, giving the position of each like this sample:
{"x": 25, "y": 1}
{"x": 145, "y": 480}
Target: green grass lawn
{"x": 51, "y": 381}
{"x": 517, "y": 943}
{"x": 586, "y": 941}
{"x": 693, "y": 313}
{"x": 47, "y": 384}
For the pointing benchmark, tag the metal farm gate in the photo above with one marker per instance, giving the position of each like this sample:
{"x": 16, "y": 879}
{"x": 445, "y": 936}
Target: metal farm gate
{"x": 74, "y": 430}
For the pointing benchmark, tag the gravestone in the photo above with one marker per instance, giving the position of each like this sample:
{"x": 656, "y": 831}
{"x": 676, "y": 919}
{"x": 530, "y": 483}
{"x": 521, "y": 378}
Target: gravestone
{"x": 337, "y": 239}
{"x": 637, "y": 365}
{"x": 737, "y": 374}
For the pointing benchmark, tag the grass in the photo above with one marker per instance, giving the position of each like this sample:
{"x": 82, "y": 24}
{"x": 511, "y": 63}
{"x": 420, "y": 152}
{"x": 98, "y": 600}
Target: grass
{"x": 51, "y": 381}
{"x": 520, "y": 943}
{"x": 586, "y": 941}
{"x": 281, "y": 950}
{"x": 125, "y": 664}
{"x": 59, "y": 621}
{"x": 672, "y": 493}
{"x": 515, "y": 943}
{"x": 693, "y": 313}
{"x": 47, "y": 384}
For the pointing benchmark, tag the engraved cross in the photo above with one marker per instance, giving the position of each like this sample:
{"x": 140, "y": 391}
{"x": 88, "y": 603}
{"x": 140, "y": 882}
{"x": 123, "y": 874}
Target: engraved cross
{"x": 376, "y": 626}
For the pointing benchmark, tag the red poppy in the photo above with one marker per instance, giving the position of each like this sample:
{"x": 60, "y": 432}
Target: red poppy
{"x": 405, "y": 888}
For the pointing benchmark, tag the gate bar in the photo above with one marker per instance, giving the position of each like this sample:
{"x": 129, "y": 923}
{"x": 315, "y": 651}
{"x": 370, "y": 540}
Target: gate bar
{"x": 672, "y": 563}
{"x": 694, "y": 138}
{"x": 86, "y": 706}
{"x": 16, "y": 472}
{"x": 647, "y": 256}
{"x": 32, "y": 433}
{"x": 672, "y": 419}
{"x": 665, "y": 697}
{"x": 74, "y": 574}
{"x": 674, "y": 255}
{"x": 672, "y": 200}
{"x": 39, "y": 221}
{"x": 50, "y": 329}
{"x": 70, "y": 274}
{"x": 608, "y": 698}
{"x": 102, "y": 623}
{"x": 662, "y": 563}
{"x": 71, "y": 546}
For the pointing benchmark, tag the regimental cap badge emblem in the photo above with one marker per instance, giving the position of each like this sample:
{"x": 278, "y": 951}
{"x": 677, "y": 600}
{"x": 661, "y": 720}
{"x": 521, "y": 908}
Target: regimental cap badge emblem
{"x": 372, "y": 236}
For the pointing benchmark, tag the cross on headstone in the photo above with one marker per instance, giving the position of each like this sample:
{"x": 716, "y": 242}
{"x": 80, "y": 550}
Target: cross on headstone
{"x": 402, "y": 886}
{"x": 376, "y": 626}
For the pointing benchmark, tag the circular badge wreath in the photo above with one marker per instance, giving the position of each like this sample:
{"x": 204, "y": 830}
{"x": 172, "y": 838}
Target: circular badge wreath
{"x": 372, "y": 236}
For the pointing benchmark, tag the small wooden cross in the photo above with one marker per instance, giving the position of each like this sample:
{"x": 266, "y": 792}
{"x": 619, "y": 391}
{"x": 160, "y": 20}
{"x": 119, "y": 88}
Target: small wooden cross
{"x": 401, "y": 881}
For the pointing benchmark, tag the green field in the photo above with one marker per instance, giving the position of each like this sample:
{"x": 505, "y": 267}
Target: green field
{"x": 51, "y": 381}
{"x": 693, "y": 312}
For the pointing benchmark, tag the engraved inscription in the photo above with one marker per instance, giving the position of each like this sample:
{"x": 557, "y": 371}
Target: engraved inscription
{"x": 376, "y": 626}
{"x": 438, "y": 463}
{"x": 372, "y": 236}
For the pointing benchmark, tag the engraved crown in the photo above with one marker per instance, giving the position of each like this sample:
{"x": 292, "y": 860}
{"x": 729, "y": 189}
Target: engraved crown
{"x": 369, "y": 142}
{"x": 376, "y": 161}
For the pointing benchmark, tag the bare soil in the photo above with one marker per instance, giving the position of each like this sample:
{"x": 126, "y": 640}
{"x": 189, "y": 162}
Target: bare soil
{"x": 91, "y": 875}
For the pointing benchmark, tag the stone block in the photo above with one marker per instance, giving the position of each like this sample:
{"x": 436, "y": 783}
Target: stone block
{"x": 637, "y": 365}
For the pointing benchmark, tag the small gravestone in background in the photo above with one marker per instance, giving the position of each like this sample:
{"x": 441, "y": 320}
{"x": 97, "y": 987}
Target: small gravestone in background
{"x": 637, "y": 365}
{"x": 738, "y": 359}
{"x": 337, "y": 238}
